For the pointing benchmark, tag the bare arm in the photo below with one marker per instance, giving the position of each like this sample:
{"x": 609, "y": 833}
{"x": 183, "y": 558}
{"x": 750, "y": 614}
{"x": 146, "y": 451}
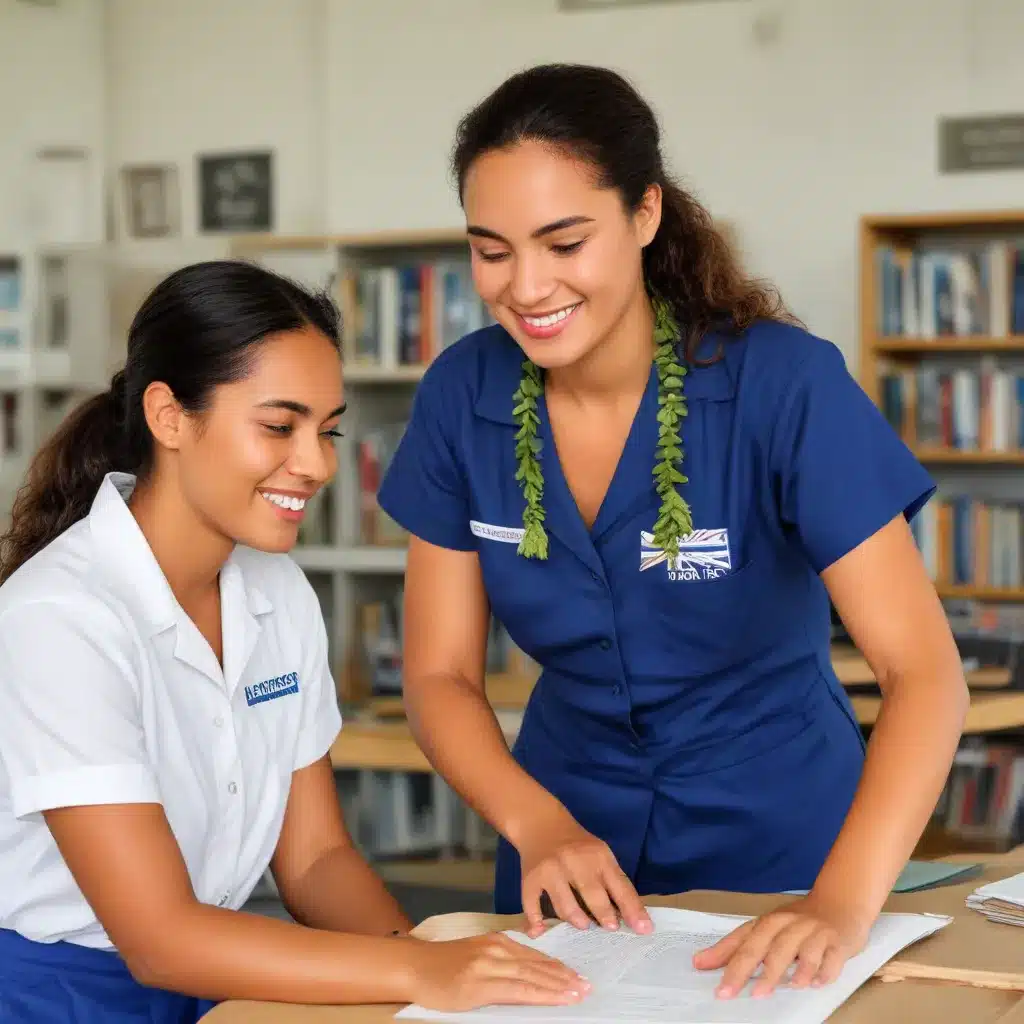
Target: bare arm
{"x": 891, "y": 610}
{"x": 893, "y": 614}
{"x": 323, "y": 879}
{"x": 128, "y": 866}
{"x": 446, "y": 619}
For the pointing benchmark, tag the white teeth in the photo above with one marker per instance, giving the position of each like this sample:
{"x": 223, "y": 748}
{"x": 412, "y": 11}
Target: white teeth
{"x": 285, "y": 501}
{"x": 548, "y": 321}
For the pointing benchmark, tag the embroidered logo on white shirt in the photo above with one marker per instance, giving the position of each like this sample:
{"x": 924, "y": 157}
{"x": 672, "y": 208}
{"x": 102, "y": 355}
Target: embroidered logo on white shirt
{"x": 703, "y": 555}
{"x": 271, "y": 689}
{"x": 504, "y": 534}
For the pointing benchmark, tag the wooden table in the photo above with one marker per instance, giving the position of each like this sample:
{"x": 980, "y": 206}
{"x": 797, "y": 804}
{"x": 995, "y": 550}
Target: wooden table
{"x": 382, "y": 740}
{"x": 969, "y": 940}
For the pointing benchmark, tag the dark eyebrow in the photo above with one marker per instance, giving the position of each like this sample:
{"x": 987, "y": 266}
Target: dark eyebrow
{"x": 298, "y": 407}
{"x": 547, "y": 229}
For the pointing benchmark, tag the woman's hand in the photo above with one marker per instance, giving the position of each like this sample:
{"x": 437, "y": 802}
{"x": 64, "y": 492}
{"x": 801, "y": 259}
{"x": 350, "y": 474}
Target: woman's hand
{"x": 464, "y": 974}
{"x": 817, "y": 938}
{"x": 565, "y": 861}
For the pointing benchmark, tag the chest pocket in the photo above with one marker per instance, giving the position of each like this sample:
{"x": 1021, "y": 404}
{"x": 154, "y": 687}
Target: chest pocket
{"x": 705, "y": 624}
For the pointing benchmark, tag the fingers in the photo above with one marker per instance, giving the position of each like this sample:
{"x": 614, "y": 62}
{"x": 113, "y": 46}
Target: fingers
{"x": 531, "y": 907}
{"x": 515, "y": 973}
{"x": 809, "y": 960}
{"x": 631, "y": 907}
{"x": 578, "y": 882}
{"x": 780, "y": 955}
{"x": 831, "y": 964}
{"x": 750, "y": 954}
{"x": 565, "y": 903}
{"x": 595, "y": 896}
{"x": 775, "y": 944}
{"x": 718, "y": 955}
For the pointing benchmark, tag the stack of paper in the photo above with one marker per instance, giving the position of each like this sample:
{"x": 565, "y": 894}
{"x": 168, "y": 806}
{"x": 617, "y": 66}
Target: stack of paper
{"x": 651, "y": 978}
{"x": 1001, "y": 901}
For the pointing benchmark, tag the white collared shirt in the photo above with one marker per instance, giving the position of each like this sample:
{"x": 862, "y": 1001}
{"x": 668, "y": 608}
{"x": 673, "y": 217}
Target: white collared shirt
{"x": 110, "y": 694}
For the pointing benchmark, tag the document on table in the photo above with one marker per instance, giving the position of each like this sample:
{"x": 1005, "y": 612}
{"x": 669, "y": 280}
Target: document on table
{"x": 1001, "y": 901}
{"x": 651, "y": 978}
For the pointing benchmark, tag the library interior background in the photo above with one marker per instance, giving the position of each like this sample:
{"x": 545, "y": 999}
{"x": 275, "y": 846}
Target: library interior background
{"x": 867, "y": 156}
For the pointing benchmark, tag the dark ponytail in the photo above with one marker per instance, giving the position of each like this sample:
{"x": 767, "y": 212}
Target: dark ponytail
{"x": 197, "y": 330}
{"x": 594, "y": 114}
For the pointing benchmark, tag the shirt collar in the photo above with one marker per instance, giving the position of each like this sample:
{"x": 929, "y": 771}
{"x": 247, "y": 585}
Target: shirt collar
{"x": 501, "y": 368}
{"x": 126, "y": 560}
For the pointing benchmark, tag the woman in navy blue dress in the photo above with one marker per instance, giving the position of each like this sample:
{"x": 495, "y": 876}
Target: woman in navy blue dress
{"x": 656, "y": 479}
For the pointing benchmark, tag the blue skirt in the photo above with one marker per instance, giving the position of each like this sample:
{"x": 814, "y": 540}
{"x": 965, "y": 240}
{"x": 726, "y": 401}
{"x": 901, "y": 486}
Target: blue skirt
{"x": 62, "y": 983}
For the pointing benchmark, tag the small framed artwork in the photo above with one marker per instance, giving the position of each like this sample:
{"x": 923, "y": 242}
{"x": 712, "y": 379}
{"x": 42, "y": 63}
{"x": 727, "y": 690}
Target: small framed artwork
{"x": 236, "y": 192}
{"x": 151, "y": 201}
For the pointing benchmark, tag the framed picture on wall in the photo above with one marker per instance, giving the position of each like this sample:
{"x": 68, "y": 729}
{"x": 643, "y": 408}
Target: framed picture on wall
{"x": 151, "y": 201}
{"x": 236, "y": 192}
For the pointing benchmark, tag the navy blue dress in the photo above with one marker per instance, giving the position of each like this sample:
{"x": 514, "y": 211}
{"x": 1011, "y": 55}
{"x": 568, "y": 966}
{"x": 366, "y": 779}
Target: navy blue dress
{"x": 686, "y": 713}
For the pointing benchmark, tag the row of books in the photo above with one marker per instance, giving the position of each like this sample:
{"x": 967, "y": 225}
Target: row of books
{"x": 405, "y": 315}
{"x": 948, "y": 291}
{"x": 967, "y": 541}
{"x": 984, "y": 795}
{"x": 380, "y": 646}
{"x": 969, "y": 409}
{"x": 374, "y": 451}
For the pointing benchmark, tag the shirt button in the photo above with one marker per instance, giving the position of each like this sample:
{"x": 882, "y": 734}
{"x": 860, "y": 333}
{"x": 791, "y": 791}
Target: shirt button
{"x": 218, "y": 721}
{"x": 605, "y": 644}
{"x": 232, "y": 787}
{"x": 616, "y": 689}
{"x": 596, "y": 577}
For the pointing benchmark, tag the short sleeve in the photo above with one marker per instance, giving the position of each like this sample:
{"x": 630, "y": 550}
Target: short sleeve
{"x": 71, "y": 730}
{"x": 424, "y": 489}
{"x": 840, "y": 470}
{"x": 321, "y": 716}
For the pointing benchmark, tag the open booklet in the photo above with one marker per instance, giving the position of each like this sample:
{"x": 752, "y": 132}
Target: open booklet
{"x": 651, "y": 978}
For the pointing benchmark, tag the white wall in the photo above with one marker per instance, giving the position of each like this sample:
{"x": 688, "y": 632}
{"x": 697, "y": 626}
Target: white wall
{"x": 190, "y": 77}
{"x": 789, "y": 117}
{"x": 52, "y": 84}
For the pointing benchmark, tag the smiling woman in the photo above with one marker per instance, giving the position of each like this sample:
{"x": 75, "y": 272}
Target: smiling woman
{"x": 657, "y": 480}
{"x": 168, "y": 705}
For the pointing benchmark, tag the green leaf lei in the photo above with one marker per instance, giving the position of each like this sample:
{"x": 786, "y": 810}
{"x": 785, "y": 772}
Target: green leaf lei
{"x": 674, "y": 519}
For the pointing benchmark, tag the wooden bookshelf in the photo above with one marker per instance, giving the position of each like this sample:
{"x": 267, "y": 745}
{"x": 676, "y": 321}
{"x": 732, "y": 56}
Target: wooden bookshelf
{"x": 942, "y": 354}
{"x": 959, "y": 327}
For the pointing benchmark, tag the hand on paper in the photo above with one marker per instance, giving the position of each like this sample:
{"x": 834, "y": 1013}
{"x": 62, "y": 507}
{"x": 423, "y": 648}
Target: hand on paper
{"x": 569, "y": 864}
{"x": 813, "y": 938}
{"x": 464, "y": 974}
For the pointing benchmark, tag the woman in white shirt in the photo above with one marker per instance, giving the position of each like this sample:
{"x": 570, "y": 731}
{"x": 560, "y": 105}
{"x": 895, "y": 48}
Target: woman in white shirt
{"x": 166, "y": 705}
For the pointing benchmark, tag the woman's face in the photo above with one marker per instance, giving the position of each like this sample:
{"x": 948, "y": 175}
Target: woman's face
{"x": 249, "y": 464}
{"x": 557, "y": 259}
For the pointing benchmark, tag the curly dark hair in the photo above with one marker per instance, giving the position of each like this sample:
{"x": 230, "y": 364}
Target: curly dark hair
{"x": 595, "y": 114}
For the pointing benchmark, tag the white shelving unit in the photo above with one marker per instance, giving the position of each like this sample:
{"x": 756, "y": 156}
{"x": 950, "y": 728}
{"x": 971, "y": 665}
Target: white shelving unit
{"x": 345, "y": 565}
{"x": 54, "y": 345}
{"x": 395, "y": 813}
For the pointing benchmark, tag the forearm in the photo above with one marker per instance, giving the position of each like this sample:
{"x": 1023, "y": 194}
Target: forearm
{"x": 223, "y": 954}
{"x": 457, "y": 729}
{"x": 909, "y": 755}
{"x": 341, "y": 893}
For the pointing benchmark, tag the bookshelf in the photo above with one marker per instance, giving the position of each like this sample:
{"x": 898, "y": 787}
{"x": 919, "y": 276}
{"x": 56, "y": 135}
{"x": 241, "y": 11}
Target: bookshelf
{"x": 55, "y": 345}
{"x": 942, "y": 354}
